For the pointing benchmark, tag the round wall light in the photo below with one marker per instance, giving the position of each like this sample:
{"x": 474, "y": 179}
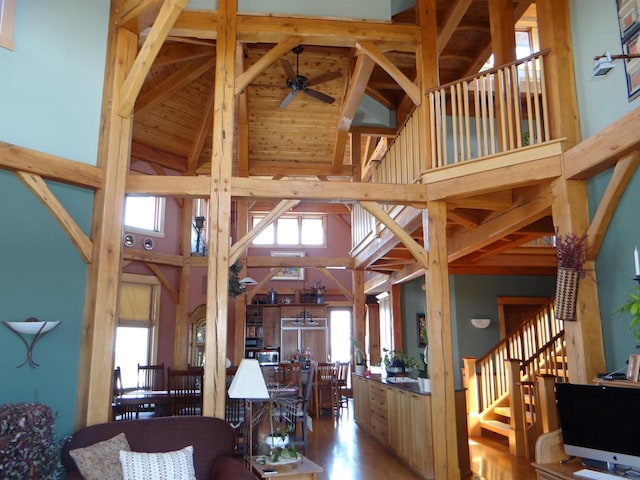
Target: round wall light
{"x": 480, "y": 322}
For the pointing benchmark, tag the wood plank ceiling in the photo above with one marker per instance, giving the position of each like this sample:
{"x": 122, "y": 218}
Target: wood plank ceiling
{"x": 173, "y": 115}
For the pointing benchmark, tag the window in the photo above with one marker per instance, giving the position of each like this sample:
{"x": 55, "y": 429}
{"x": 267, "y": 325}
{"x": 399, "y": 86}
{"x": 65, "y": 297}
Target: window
{"x": 136, "y": 335}
{"x": 386, "y": 326}
{"x": 340, "y": 329}
{"x": 293, "y": 230}
{"x": 145, "y": 215}
{"x": 7, "y": 11}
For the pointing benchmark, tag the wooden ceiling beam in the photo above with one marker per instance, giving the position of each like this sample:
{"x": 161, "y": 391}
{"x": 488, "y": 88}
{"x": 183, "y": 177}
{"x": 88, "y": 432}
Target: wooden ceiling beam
{"x": 151, "y": 155}
{"x": 373, "y": 52}
{"x": 273, "y": 55}
{"x": 172, "y": 84}
{"x": 451, "y": 21}
{"x": 469, "y": 241}
{"x": 138, "y": 72}
{"x": 259, "y": 168}
{"x": 350, "y": 103}
{"x": 136, "y": 15}
{"x": 315, "y": 31}
{"x": 260, "y": 189}
{"x": 172, "y": 53}
{"x": 203, "y": 131}
{"x": 258, "y": 261}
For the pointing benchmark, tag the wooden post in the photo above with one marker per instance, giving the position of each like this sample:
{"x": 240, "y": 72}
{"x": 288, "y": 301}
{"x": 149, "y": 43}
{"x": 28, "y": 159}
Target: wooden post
{"x": 359, "y": 311}
{"x": 517, "y": 445}
{"x": 554, "y": 26}
{"x": 470, "y": 384}
{"x": 570, "y": 215}
{"x": 547, "y": 403}
{"x": 220, "y": 212}
{"x": 99, "y": 324}
{"x": 396, "y": 317}
{"x": 240, "y": 312}
{"x": 181, "y": 347}
{"x": 373, "y": 319}
{"x": 443, "y": 414}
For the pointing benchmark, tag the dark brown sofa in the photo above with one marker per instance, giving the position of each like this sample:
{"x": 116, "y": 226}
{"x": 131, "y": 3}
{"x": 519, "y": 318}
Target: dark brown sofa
{"x": 213, "y": 443}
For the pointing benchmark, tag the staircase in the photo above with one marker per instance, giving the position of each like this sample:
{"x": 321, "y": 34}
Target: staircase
{"x": 509, "y": 387}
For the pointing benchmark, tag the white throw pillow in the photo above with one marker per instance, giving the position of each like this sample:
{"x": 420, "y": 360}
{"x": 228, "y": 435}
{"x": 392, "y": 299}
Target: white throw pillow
{"x": 177, "y": 465}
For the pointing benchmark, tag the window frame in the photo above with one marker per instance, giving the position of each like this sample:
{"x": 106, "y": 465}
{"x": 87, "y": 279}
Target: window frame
{"x": 159, "y": 218}
{"x": 256, "y": 217}
{"x": 7, "y": 14}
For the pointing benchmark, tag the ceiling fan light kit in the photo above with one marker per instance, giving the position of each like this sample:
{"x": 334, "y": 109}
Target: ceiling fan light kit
{"x": 300, "y": 83}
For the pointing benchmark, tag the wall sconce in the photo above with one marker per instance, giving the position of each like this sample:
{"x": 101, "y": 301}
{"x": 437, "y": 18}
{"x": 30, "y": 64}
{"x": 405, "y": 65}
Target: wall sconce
{"x": 198, "y": 225}
{"x": 480, "y": 322}
{"x": 30, "y": 326}
{"x": 604, "y": 63}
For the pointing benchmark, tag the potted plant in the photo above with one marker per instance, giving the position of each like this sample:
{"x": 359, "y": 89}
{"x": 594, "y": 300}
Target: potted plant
{"x": 570, "y": 252}
{"x": 361, "y": 359}
{"x": 632, "y": 306}
{"x": 393, "y": 361}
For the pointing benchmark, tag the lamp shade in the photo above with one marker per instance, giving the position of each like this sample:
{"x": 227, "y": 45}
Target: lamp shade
{"x": 248, "y": 382}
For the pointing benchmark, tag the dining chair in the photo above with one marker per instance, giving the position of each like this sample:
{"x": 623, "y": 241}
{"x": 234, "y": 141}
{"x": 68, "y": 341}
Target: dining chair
{"x": 340, "y": 398}
{"x": 150, "y": 377}
{"x": 185, "y": 391}
{"x": 296, "y": 413}
{"x": 325, "y": 375}
{"x": 120, "y": 411}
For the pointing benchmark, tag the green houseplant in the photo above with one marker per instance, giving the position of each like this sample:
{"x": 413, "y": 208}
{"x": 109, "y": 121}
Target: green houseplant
{"x": 632, "y": 307}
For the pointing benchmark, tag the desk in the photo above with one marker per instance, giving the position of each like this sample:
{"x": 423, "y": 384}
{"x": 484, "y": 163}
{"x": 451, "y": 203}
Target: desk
{"x": 305, "y": 470}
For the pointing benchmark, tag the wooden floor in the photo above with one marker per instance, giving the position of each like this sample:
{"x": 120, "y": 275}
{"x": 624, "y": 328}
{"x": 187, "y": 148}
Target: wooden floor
{"x": 346, "y": 453}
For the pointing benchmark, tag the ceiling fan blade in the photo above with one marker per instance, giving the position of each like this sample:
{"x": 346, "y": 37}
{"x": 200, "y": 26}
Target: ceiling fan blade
{"x": 288, "y": 69}
{"x": 319, "y": 95}
{"x": 325, "y": 77}
{"x": 287, "y": 99}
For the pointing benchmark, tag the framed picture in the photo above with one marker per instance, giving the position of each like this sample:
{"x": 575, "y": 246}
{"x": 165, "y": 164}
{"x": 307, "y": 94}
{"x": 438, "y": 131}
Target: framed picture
{"x": 421, "y": 324}
{"x": 629, "y": 17}
{"x": 288, "y": 272}
{"x": 633, "y": 367}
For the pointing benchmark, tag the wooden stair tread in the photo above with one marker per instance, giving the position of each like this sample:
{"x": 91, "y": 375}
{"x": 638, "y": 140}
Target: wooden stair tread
{"x": 503, "y": 411}
{"x": 496, "y": 426}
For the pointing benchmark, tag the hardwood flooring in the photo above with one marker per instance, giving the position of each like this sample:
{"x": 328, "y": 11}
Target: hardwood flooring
{"x": 347, "y": 453}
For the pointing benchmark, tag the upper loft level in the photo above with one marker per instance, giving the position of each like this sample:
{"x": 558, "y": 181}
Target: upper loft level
{"x": 348, "y": 107}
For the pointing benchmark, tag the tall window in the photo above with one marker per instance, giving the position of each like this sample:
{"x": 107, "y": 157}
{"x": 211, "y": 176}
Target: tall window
{"x": 386, "y": 326}
{"x": 340, "y": 329}
{"x": 7, "y": 10}
{"x": 144, "y": 214}
{"x": 136, "y": 333}
{"x": 293, "y": 230}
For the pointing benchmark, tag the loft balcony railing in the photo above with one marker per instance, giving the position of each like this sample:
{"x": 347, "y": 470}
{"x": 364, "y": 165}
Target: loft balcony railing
{"x": 494, "y": 112}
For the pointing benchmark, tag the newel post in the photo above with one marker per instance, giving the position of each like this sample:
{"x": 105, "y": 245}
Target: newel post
{"x": 471, "y": 386}
{"x": 547, "y": 403}
{"x": 517, "y": 444}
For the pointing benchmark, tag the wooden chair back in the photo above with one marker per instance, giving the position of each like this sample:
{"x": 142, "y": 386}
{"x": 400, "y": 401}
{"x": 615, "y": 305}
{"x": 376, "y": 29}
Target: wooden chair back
{"x": 185, "y": 391}
{"x": 151, "y": 377}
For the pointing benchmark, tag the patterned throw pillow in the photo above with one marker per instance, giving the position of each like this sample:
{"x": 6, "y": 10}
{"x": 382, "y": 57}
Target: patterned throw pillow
{"x": 176, "y": 465}
{"x": 101, "y": 461}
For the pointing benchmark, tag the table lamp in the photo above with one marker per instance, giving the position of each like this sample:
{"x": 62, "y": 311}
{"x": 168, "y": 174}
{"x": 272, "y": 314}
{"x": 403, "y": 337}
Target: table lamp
{"x": 248, "y": 383}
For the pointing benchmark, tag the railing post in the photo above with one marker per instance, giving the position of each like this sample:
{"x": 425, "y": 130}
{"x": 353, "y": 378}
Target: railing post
{"x": 547, "y": 404}
{"x": 517, "y": 444}
{"x": 471, "y": 385}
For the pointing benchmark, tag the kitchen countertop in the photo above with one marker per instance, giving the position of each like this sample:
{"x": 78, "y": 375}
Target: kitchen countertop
{"x": 405, "y": 383}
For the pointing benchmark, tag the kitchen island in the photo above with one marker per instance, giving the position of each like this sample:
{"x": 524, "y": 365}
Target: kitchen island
{"x": 395, "y": 413}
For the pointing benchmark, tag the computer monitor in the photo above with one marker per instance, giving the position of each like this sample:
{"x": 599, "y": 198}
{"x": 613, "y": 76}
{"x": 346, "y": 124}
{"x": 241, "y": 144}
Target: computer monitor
{"x": 600, "y": 423}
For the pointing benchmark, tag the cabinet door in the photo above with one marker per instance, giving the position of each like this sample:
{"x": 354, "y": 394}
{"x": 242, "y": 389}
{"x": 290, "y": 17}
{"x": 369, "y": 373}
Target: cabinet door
{"x": 271, "y": 326}
{"x": 314, "y": 340}
{"x": 420, "y": 429}
{"x": 361, "y": 410}
{"x": 289, "y": 343}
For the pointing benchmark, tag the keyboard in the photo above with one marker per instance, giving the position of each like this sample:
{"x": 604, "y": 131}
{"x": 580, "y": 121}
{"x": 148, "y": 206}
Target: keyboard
{"x": 596, "y": 475}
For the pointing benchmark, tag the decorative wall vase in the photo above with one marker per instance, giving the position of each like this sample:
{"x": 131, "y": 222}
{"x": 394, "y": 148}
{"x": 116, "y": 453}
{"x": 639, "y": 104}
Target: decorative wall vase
{"x": 566, "y": 293}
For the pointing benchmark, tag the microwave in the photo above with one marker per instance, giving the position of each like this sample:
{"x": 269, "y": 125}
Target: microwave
{"x": 268, "y": 357}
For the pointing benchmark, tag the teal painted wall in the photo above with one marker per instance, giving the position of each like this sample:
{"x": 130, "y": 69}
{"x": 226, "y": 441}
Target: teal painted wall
{"x": 602, "y": 100}
{"x": 50, "y": 100}
{"x": 470, "y": 296}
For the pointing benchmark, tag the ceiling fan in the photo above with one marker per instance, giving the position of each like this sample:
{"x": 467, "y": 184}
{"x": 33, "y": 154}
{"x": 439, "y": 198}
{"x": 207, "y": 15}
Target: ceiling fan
{"x": 300, "y": 83}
